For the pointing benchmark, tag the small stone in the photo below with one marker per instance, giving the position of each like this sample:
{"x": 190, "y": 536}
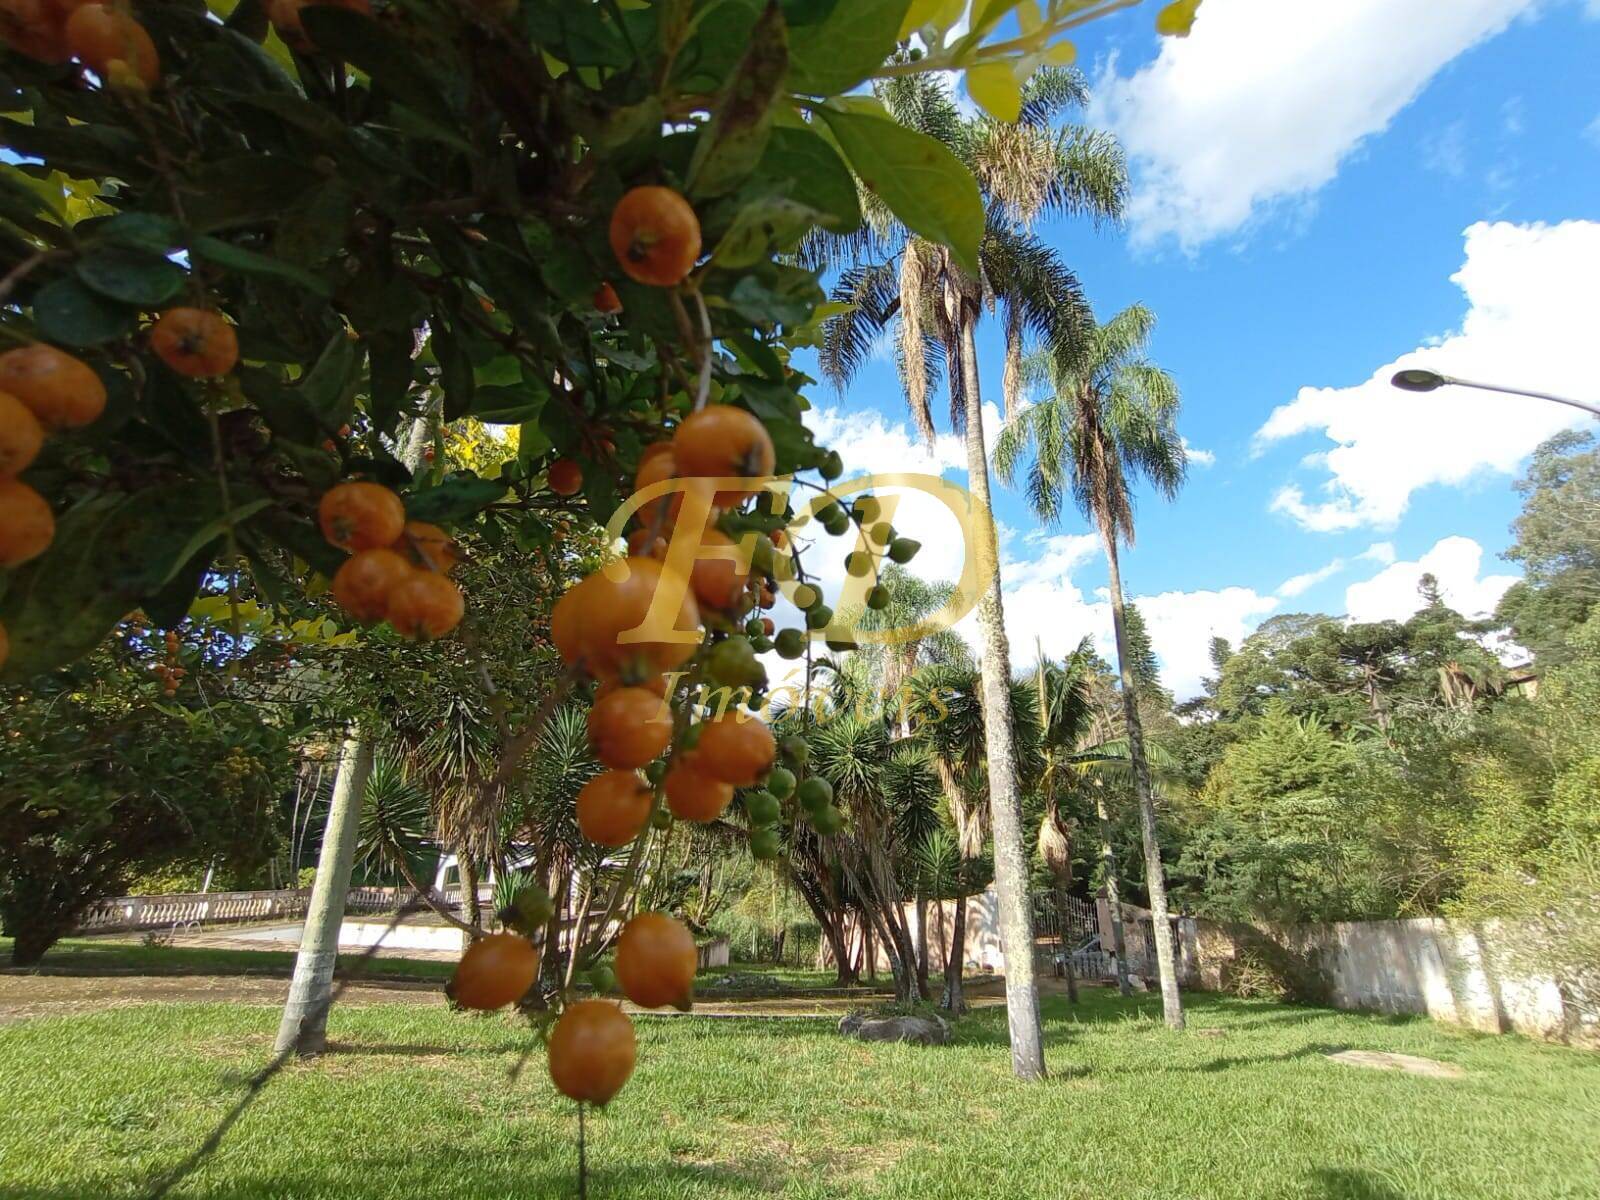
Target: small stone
{"x": 924, "y": 1031}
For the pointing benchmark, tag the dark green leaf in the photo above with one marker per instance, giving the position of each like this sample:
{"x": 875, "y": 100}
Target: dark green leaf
{"x": 81, "y": 150}
{"x": 364, "y": 42}
{"x": 509, "y": 405}
{"x": 67, "y": 312}
{"x": 329, "y": 387}
{"x": 813, "y": 174}
{"x": 831, "y": 56}
{"x": 453, "y": 500}
{"x": 389, "y": 355}
{"x": 314, "y": 230}
{"x": 130, "y": 276}
{"x": 776, "y": 296}
{"x": 923, "y": 184}
{"x": 153, "y": 232}
{"x": 763, "y": 227}
{"x": 455, "y": 369}
{"x": 251, "y": 262}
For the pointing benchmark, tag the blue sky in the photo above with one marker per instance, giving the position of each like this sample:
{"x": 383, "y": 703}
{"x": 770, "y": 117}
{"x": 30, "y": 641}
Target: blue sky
{"x": 1306, "y": 184}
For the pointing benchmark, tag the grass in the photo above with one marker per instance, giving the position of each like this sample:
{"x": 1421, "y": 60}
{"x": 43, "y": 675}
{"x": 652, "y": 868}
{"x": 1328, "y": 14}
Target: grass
{"x": 96, "y": 955}
{"x": 419, "y": 1102}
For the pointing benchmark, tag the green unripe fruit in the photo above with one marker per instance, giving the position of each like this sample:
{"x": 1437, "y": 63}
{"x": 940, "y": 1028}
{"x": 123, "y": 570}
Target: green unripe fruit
{"x": 744, "y": 604}
{"x": 840, "y": 645}
{"x": 754, "y": 627}
{"x": 761, "y": 644}
{"x": 602, "y": 979}
{"x": 814, "y": 793}
{"x": 878, "y": 598}
{"x": 858, "y": 563}
{"x": 656, "y": 772}
{"x": 534, "y": 908}
{"x": 661, "y": 819}
{"x": 805, "y": 596}
{"x": 866, "y": 508}
{"x": 882, "y": 533}
{"x": 762, "y": 555}
{"x": 764, "y": 844}
{"x": 780, "y": 782}
{"x": 828, "y": 820}
{"x": 819, "y": 617}
{"x": 903, "y": 550}
{"x": 762, "y": 808}
{"x": 795, "y": 749}
{"x": 838, "y": 526}
{"x": 733, "y": 662}
{"x": 832, "y": 465}
{"x": 829, "y": 512}
{"x": 791, "y": 643}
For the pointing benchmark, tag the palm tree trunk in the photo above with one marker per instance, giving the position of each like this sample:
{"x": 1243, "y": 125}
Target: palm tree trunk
{"x": 305, "y": 1013}
{"x": 922, "y": 946}
{"x": 1005, "y": 800}
{"x": 304, "y": 1027}
{"x": 1108, "y": 859}
{"x": 954, "y": 1000}
{"x": 469, "y": 889}
{"x": 1155, "y": 876}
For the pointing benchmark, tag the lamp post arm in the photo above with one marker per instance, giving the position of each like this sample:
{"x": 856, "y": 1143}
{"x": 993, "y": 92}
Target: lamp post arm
{"x": 1591, "y": 409}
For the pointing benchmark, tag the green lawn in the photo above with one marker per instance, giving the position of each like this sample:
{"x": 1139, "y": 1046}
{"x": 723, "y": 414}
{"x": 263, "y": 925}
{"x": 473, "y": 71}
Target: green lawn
{"x": 418, "y": 1104}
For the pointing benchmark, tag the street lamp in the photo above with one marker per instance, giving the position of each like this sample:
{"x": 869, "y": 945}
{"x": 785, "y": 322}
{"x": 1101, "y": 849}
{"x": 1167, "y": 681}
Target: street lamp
{"x": 1416, "y": 380}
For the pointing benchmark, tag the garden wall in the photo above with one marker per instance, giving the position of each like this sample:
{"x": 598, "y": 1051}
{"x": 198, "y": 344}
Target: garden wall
{"x": 1477, "y": 974}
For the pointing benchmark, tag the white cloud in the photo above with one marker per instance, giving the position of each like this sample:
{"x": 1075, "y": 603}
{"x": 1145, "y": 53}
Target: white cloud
{"x": 1296, "y": 584}
{"x": 1258, "y": 107}
{"x": 1182, "y": 625}
{"x": 1392, "y": 595}
{"x": 1379, "y": 552}
{"x": 1592, "y": 129}
{"x": 1199, "y": 457}
{"x": 1532, "y": 293}
{"x": 1446, "y": 150}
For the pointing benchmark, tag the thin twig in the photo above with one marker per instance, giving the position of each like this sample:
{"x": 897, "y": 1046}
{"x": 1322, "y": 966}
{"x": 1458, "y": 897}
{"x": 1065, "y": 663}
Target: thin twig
{"x": 703, "y": 388}
{"x": 21, "y": 271}
{"x": 531, "y": 732}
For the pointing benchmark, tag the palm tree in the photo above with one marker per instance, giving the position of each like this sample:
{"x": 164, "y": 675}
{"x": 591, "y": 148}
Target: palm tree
{"x": 1110, "y": 420}
{"x": 1025, "y": 169}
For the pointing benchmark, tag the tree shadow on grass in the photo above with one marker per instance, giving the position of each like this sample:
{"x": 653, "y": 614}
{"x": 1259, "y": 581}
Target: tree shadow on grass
{"x": 1345, "y": 1183}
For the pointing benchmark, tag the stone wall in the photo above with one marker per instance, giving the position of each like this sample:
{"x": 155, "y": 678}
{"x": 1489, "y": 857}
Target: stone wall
{"x": 1477, "y": 974}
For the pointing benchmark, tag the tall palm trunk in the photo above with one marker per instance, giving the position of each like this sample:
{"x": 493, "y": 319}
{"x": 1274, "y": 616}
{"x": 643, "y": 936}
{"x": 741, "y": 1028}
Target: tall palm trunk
{"x": 305, "y": 1013}
{"x": 954, "y": 1000}
{"x": 1005, "y": 800}
{"x": 304, "y": 1027}
{"x": 1155, "y": 876}
{"x": 1108, "y": 860}
{"x": 922, "y": 945}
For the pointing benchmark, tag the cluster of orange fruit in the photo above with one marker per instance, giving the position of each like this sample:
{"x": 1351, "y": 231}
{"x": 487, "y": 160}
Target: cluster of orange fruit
{"x": 398, "y": 570}
{"x": 106, "y": 37}
{"x": 42, "y": 391}
{"x": 591, "y": 1046}
{"x": 169, "y": 670}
